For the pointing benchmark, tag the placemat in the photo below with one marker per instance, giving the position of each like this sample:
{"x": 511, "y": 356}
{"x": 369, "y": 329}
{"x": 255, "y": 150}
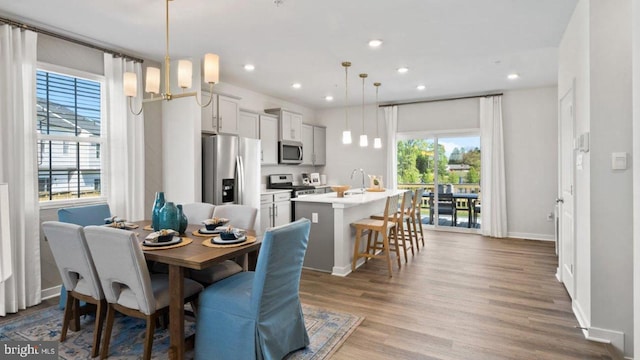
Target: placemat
{"x": 208, "y": 243}
{"x": 198, "y": 233}
{"x": 185, "y": 241}
{"x": 147, "y": 227}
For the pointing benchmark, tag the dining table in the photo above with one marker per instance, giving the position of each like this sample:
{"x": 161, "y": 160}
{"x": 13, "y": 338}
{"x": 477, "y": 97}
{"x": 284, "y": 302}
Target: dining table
{"x": 470, "y": 200}
{"x": 192, "y": 256}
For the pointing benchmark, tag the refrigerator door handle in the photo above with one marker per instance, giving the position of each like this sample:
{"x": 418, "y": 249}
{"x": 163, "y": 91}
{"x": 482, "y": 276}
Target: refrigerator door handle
{"x": 241, "y": 179}
{"x": 300, "y": 158}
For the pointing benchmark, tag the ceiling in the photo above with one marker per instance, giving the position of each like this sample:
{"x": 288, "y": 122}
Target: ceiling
{"x": 453, "y": 47}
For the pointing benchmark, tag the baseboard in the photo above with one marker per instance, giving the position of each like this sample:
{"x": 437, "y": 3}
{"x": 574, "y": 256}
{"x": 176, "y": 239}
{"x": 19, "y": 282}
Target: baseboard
{"x": 605, "y": 336}
{"x": 528, "y": 236}
{"x": 558, "y": 274}
{"x": 50, "y": 292}
{"x": 615, "y": 338}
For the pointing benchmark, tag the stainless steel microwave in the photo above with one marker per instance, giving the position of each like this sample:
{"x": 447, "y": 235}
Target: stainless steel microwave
{"x": 290, "y": 152}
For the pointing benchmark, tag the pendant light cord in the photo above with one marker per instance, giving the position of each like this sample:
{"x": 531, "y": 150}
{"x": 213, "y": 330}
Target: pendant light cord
{"x": 377, "y": 85}
{"x": 346, "y": 96}
{"x": 363, "y": 77}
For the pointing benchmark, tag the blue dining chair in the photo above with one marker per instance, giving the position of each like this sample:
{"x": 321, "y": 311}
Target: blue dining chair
{"x": 83, "y": 216}
{"x": 257, "y": 314}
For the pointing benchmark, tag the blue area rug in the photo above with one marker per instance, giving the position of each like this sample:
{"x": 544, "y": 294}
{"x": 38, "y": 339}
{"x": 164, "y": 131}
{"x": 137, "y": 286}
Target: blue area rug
{"x": 327, "y": 331}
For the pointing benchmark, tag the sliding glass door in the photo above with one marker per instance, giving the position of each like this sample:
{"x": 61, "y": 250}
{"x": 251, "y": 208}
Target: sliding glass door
{"x": 448, "y": 167}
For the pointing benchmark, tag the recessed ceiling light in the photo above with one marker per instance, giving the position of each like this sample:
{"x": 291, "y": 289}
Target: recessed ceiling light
{"x": 421, "y": 87}
{"x": 328, "y": 98}
{"x": 375, "y": 43}
{"x": 403, "y": 70}
{"x": 249, "y": 67}
{"x": 296, "y": 85}
{"x": 513, "y": 76}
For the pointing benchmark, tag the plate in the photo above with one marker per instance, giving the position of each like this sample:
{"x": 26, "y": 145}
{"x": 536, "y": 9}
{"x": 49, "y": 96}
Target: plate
{"x": 204, "y": 230}
{"x": 219, "y": 241}
{"x": 175, "y": 240}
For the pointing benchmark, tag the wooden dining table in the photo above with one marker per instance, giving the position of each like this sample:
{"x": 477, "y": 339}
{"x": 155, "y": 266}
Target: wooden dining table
{"x": 192, "y": 256}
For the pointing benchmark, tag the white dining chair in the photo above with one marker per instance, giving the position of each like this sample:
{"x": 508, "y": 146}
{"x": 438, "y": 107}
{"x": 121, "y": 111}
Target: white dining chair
{"x": 75, "y": 263}
{"x": 197, "y": 212}
{"x": 128, "y": 286}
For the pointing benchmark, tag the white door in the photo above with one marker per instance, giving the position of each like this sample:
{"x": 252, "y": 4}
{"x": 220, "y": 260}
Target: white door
{"x": 567, "y": 245}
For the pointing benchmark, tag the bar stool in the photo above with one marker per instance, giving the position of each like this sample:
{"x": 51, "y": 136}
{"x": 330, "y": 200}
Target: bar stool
{"x": 416, "y": 217}
{"x": 386, "y": 227}
{"x": 403, "y": 222}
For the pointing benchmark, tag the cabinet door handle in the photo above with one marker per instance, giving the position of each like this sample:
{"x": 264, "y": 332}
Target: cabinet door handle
{"x": 275, "y": 207}
{"x": 261, "y": 155}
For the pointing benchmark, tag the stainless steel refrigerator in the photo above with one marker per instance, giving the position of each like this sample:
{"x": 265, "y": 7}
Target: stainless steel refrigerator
{"x": 231, "y": 170}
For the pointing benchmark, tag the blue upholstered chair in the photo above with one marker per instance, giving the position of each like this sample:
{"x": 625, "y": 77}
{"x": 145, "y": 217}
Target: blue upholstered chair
{"x": 83, "y": 216}
{"x": 257, "y": 315}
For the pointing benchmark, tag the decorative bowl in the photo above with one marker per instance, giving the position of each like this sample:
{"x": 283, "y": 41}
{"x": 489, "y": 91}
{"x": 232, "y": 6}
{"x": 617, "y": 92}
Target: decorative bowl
{"x": 340, "y": 189}
{"x": 212, "y": 224}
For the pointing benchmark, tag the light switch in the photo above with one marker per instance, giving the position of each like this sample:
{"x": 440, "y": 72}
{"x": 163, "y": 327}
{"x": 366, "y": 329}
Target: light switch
{"x": 314, "y": 217}
{"x": 619, "y": 161}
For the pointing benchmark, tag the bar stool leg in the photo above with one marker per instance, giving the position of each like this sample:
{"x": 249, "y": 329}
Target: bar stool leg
{"x": 385, "y": 245}
{"x": 356, "y": 249}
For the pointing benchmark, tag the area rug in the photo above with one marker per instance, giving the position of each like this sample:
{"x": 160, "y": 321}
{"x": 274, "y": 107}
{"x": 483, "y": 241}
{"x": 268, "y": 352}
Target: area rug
{"x": 327, "y": 332}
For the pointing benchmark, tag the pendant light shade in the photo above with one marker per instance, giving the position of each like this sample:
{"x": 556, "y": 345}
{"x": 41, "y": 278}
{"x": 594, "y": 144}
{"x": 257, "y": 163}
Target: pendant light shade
{"x": 377, "y": 141}
{"x": 364, "y": 141}
{"x": 346, "y": 134}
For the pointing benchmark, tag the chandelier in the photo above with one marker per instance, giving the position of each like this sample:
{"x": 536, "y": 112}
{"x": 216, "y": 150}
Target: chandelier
{"x": 346, "y": 134}
{"x": 211, "y": 70}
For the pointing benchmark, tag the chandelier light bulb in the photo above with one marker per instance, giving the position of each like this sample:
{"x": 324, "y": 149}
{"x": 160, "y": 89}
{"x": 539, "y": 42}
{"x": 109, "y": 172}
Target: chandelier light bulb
{"x": 346, "y": 137}
{"x": 364, "y": 141}
{"x": 377, "y": 143}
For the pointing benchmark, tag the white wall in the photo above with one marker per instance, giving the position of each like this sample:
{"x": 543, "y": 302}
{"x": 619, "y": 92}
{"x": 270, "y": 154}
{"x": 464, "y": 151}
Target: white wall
{"x": 573, "y": 65}
{"x": 530, "y": 141}
{"x": 343, "y": 159}
{"x": 596, "y": 51}
{"x": 611, "y": 190}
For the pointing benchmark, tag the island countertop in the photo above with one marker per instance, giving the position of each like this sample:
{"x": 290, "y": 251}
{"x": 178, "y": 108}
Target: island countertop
{"x": 348, "y": 200}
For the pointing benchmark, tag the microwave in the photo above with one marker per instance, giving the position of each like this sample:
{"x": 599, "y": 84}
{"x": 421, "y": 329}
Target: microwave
{"x": 289, "y": 152}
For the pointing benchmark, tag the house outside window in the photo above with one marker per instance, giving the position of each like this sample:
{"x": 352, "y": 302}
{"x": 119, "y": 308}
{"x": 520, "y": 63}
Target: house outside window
{"x": 70, "y": 134}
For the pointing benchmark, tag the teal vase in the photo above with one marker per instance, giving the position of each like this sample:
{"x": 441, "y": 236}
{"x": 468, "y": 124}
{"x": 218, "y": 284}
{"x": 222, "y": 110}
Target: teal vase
{"x": 182, "y": 220}
{"x": 155, "y": 212}
{"x": 168, "y": 217}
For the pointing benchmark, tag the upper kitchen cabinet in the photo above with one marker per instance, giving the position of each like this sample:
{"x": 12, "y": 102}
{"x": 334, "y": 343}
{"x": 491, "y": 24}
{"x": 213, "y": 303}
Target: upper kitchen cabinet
{"x": 269, "y": 139}
{"x": 248, "y": 124}
{"x": 222, "y": 116}
{"x": 290, "y": 124}
{"x": 314, "y": 148}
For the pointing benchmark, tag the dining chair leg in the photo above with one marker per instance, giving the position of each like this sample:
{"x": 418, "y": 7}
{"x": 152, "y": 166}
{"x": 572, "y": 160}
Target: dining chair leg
{"x": 66, "y": 318}
{"x": 111, "y": 312}
{"x": 97, "y": 332}
{"x": 356, "y": 249}
{"x": 148, "y": 336}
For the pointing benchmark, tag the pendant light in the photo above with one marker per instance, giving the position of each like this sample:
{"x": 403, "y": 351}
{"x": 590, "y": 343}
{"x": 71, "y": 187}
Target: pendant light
{"x": 346, "y": 134}
{"x": 364, "y": 142}
{"x": 377, "y": 142}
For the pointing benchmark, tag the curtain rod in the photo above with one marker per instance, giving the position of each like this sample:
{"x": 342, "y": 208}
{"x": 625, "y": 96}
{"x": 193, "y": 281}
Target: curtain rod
{"x": 69, "y": 39}
{"x": 443, "y": 99}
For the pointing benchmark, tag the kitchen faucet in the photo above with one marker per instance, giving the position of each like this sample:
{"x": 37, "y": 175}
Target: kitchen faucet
{"x": 361, "y": 172}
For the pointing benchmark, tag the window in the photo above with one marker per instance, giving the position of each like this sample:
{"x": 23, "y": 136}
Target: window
{"x": 70, "y": 136}
{"x": 455, "y": 174}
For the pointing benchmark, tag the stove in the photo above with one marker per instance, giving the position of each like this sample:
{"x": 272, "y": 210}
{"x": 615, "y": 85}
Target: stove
{"x": 285, "y": 181}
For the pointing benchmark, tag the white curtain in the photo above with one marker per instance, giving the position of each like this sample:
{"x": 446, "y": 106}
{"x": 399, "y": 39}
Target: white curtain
{"x": 493, "y": 189}
{"x": 125, "y": 134}
{"x": 18, "y": 168}
{"x": 391, "y": 122}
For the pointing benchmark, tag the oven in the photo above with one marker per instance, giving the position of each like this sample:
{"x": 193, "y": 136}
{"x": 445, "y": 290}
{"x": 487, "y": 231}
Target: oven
{"x": 285, "y": 181}
{"x": 289, "y": 152}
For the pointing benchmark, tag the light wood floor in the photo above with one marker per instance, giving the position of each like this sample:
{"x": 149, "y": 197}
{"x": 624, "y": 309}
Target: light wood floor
{"x": 462, "y": 297}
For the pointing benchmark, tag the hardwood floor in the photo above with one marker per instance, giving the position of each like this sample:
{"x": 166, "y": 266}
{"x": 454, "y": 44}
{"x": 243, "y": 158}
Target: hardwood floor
{"x": 461, "y": 297}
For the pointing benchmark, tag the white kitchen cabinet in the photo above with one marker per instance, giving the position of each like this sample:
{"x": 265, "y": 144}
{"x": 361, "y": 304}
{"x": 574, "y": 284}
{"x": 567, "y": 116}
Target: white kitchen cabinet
{"x": 275, "y": 210}
{"x": 269, "y": 139}
{"x": 314, "y": 145}
{"x": 307, "y": 144}
{"x": 248, "y": 125}
{"x": 290, "y": 124}
{"x": 319, "y": 145}
{"x": 221, "y": 116}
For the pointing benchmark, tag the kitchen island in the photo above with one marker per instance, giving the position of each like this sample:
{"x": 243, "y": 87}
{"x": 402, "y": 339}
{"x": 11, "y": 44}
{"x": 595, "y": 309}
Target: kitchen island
{"x": 332, "y": 238}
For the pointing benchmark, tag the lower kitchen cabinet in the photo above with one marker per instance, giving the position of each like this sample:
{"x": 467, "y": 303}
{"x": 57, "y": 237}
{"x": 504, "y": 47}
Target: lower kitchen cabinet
{"x": 275, "y": 210}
